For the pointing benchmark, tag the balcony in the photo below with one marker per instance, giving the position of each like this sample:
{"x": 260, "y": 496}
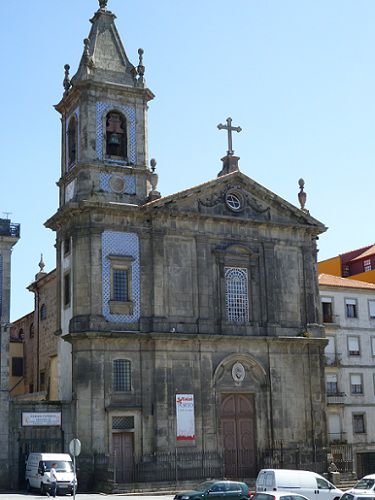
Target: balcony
{"x": 9, "y": 229}
{"x": 333, "y": 360}
{"x": 336, "y": 398}
{"x": 337, "y": 437}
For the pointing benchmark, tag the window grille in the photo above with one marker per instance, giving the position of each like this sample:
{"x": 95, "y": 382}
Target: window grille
{"x": 120, "y": 285}
{"x": 359, "y": 424}
{"x": 121, "y": 375}
{"x": 236, "y": 294}
{"x": 122, "y": 423}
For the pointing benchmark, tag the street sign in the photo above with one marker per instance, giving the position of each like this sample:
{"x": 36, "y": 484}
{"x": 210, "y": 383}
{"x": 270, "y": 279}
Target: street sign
{"x": 75, "y": 447}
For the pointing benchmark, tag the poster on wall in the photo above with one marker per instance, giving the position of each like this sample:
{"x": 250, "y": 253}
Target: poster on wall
{"x": 185, "y": 417}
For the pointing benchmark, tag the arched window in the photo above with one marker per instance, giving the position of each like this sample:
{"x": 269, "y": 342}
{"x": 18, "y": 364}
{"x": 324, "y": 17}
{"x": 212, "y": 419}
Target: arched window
{"x": 72, "y": 141}
{"x": 121, "y": 380}
{"x": 116, "y": 139}
{"x": 236, "y": 294}
{"x": 31, "y": 330}
{"x": 43, "y": 311}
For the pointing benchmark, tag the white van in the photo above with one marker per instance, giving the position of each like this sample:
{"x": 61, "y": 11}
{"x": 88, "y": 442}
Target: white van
{"x": 37, "y": 475}
{"x": 311, "y": 485}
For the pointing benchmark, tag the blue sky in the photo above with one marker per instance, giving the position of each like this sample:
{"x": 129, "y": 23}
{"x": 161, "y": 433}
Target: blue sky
{"x": 297, "y": 75}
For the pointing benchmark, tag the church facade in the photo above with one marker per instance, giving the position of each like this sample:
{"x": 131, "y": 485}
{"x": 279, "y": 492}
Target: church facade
{"x": 189, "y": 324}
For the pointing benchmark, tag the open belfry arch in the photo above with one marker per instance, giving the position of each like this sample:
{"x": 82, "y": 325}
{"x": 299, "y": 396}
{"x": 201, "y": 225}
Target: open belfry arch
{"x": 207, "y": 296}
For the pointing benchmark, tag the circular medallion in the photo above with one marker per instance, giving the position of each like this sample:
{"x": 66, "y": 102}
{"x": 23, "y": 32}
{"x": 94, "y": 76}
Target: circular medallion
{"x": 238, "y": 372}
{"x": 234, "y": 201}
{"x": 117, "y": 184}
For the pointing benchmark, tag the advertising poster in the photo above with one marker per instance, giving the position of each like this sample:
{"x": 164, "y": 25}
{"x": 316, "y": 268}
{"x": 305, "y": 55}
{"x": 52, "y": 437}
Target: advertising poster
{"x": 185, "y": 417}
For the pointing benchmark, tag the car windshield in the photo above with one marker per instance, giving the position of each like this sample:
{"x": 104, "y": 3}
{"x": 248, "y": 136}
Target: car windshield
{"x": 205, "y": 485}
{"x": 60, "y": 466}
{"x": 364, "y": 484}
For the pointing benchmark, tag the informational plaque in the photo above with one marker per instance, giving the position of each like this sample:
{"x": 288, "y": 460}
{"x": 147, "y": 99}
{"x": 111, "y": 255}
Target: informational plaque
{"x": 45, "y": 419}
{"x": 185, "y": 417}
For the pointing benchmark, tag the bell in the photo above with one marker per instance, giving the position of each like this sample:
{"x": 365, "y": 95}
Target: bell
{"x": 114, "y": 139}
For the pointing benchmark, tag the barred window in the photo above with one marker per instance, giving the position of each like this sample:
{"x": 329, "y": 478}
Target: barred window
{"x": 120, "y": 285}
{"x": 359, "y": 426}
{"x": 122, "y": 423}
{"x": 236, "y": 294}
{"x": 121, "y": 375}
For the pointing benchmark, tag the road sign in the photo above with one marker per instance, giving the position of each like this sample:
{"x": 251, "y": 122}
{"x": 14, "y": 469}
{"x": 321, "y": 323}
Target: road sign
{"x": 75, "y": 447}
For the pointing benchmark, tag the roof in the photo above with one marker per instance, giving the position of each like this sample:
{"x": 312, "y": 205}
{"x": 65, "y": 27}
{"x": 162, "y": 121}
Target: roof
{"x": 329, "y": 280}
{"x": 370, "y": 251}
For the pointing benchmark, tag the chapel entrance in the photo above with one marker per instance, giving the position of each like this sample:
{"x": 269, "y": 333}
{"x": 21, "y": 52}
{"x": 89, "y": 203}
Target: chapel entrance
{"x": 123, "y": 456}
{"x": 238, "y": 426}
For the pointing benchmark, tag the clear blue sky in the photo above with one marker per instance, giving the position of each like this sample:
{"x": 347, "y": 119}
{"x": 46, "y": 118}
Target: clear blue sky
{"x": 297, "y": 75}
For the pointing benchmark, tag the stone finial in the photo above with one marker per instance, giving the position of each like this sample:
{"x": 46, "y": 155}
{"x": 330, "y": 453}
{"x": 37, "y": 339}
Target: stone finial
{"x": 154, "y": 193}
{"x": 302, "y": 195}
{"x": 66, "y": 82}
{"x": 103, "y": 4}
{"x": 141, "y": 68}
{"x": 41, "y": 263}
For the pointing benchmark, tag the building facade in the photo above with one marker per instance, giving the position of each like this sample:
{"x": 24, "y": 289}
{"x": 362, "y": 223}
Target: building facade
{"x": 188, "y": 324}
{"x": 348, "y": 309}
{"x": 357, "y": 264}
{"x": 9, "y": 235}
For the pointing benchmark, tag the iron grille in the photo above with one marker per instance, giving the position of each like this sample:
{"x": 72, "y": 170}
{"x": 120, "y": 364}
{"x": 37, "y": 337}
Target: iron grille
{"x": 122, "y": 423}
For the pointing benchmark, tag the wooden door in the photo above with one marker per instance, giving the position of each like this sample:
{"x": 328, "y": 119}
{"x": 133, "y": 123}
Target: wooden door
{"x": 122, "y": 443}
{"x": 238, "y": 427}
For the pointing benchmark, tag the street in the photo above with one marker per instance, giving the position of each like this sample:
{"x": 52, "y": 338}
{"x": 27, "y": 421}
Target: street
{"x": 84, "y": 496}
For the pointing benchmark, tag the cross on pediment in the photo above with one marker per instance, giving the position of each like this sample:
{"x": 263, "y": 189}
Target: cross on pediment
{"x": 230, "y": 129}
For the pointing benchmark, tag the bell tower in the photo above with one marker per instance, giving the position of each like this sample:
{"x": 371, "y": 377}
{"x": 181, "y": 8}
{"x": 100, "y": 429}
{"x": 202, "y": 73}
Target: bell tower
{"x": 104, "y": 121}
{"x": 104, "y": 181}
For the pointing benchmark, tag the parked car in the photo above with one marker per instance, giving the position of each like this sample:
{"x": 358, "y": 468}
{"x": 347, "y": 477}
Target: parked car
{"x": 300, "y": 482}
{"x": 357, "y": 496}
{"x": 217, "y": 490}
{"x": 278, "y": 495}
{"x": 364, "y": 486}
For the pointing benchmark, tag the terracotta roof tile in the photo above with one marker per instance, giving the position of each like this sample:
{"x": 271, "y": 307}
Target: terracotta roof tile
{"x": 328, "y": 279}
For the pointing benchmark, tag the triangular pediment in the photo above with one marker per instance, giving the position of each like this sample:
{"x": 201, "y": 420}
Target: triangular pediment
{"x": 235, "y": 196}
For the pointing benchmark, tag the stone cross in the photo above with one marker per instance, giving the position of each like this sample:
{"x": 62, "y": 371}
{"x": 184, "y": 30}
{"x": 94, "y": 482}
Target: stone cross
{"x": 230, "y": 129}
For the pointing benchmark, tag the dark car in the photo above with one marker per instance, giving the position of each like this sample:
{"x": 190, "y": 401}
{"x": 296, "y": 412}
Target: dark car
{"x": 217, "y": 490}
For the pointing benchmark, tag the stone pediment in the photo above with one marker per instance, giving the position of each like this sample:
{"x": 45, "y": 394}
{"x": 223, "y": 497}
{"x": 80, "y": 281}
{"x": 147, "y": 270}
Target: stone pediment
{"x": 238, "y": 196}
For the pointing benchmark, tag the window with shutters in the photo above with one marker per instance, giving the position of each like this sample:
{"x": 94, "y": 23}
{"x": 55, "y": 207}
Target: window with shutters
{"x": 353, "y": 346}
{"x": 359, "y": 426}
{"x": 351, "y": 308}
{"x": 327, "y": 311}
{"x": 331, "y": 384}
{"x": 371, "y": 308}
{"x": 356, "y": 383}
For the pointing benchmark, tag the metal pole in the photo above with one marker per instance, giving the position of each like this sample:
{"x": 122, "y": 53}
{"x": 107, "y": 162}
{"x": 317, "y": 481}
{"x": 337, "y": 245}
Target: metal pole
{"x": 75, "y": 477}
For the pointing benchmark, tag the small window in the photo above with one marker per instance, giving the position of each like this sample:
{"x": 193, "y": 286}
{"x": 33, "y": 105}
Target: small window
{"x": 356, "y": 383}
{"x": 359, "y": 423}
{"x": 72, "y": 141}
{"x": 66, "y": 289}
{"x": 42, "y": 381}
{"x": 367, "y": 265}
{"x": 66, "y": 246}
{"x": 31, "y": 330}
{"x": 353, "y": 346}
{"x": 373, "y": 346}
{"x": 116, "y": 139}
{"x": 121, "y": 284}
{"x": 21, "y": 334}
{"x": 371, "y": 308}
{"x": 331, "y": 384}
{"x": 322, "y": 484}
{"x": 43, "y": 312}
{"x": 121, "y": 375}
{"x": 17, "y": 367}
{"x": 351, "y": 308}
{"x": 327, "y": 310}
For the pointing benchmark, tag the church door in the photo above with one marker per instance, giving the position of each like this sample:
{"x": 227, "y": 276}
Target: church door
{"x": 238, "y": 427}
{"x": 123, "y": 456}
